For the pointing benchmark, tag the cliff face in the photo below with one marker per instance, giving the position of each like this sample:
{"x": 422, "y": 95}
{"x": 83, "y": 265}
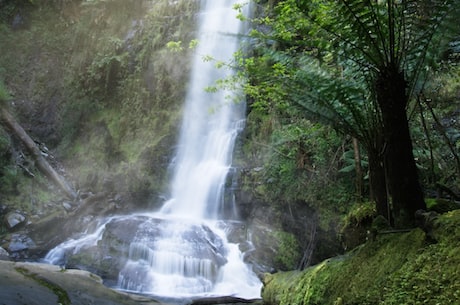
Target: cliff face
{"x": 94, "y": 83}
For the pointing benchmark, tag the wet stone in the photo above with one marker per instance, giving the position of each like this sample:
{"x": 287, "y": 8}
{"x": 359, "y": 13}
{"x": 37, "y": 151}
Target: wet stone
{"x": 13, "y": 219}
{"x": 4, "y": 255}
{"x": 20, "y": 243}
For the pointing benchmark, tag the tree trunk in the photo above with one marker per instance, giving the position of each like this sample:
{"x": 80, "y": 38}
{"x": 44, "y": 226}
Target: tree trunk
{"x": 400, "y": 167}
{"x": 40, "y": 161}
{"x": 377, "y": 182}
{"x": 358, "y": 170}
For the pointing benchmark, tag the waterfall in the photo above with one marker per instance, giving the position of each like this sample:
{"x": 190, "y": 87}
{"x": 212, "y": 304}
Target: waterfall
{"x": 183, "y": 250}
{"x": 211, "y": 121}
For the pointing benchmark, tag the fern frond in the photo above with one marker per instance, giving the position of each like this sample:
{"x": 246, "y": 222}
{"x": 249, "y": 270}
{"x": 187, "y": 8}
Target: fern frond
{"x": 363, "y": 19}
{"x": 340, "y": 102}
{"x": 430, "y": 25}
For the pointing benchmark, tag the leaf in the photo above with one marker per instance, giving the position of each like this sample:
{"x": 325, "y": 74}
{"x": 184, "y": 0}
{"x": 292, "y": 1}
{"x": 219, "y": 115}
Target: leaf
{"x": 193, "y": 44}
{"x": 208, "y": 58}
{"x": 175, "y": 46}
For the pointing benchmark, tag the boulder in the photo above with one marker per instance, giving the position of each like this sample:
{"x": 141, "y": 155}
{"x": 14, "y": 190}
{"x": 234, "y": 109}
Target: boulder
{"x": 19, "y": 245}
{"x": 14, "y": 219}
{"x": 38, "y": 284}
{"x": 4, "y": 255}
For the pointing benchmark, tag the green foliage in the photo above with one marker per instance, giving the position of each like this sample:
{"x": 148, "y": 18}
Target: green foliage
{"x": 75, "y": 115}
{"x": 436, "y": 277}
{"x": 9, "y": 178}
{"x": 350, "y": 162}
{"x": 288, "y": 254}
{"x": 389, "y": 32}
{"x": 175, "y": 46}
{"x": 437, "y": 129}
{"x": 289, "y": 78}
{"x": 4, "y": 94}
{"x": 302, "y": 157}
{"x": 106, "y": 70}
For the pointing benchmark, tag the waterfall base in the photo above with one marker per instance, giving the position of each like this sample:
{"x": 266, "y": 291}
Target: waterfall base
{"x": 154, "y": 255}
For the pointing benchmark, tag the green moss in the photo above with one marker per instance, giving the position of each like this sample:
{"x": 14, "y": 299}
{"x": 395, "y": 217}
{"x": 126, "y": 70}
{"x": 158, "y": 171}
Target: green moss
{"x": 397, "y": 268}
{"x": 4, "y": 93}
{"x": 440, "y": 205}
{"x": 359, "y": 212}
{"x": 276, "y": 288}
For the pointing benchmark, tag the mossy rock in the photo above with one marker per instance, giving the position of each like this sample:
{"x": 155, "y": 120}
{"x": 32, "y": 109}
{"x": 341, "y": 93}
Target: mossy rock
{"x": 440, "y": 205}
{"x": 357, "y": 225}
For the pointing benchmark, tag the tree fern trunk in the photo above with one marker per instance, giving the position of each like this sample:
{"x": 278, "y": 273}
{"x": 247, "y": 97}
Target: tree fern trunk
{"x": 359, "y": 184}
{"x": 401, "y": 171}
{"x": 378, "y": 187}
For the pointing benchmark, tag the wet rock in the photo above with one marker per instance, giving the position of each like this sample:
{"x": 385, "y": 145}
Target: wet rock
{"x": 67, "y": 206}
{"x": 20, "y": 242}
{"x": 23, "y": 283}
{"x": 137, "y": 238}
{"x": 4, "y": 255}
{"x": 237, "y": 231}
{"x": 3, "y": 209}
{"x": 264, "y": 241}
{"x": 191, "y": 253}
{"x": 110, "y": 254}
{"x": 19, "y": 22}
{"x": 14, "y": 219}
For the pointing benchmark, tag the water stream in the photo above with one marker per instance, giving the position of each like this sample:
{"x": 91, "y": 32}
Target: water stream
{"x": 211, "y": 121}
{"x": 182, "y": 250}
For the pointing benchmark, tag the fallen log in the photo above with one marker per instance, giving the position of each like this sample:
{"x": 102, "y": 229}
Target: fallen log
{"x": 43, "y": 166}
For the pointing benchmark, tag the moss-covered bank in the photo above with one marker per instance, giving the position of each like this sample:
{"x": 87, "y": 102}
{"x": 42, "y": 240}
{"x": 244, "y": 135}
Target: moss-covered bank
{"x": 394, "y": 268}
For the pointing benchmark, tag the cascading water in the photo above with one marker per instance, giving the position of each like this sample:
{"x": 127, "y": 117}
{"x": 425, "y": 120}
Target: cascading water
{"x": 211, "y": 121}
{"x": 183, "y": 250}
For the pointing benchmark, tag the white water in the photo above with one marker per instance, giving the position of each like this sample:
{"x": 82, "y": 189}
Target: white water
{"x": 56, "y": 256}
{"x": 211, "y": 121}
{"x": 189, "y": 254}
